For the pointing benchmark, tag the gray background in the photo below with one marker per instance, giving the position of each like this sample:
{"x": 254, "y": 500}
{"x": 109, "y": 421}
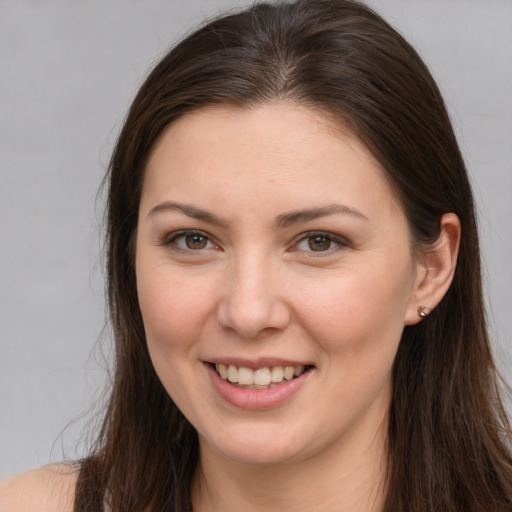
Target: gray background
{"x": 68, "y": 69}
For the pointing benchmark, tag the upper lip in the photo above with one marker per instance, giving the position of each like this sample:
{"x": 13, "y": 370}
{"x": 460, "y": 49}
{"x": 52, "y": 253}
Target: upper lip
{"x": 260, "y": 362}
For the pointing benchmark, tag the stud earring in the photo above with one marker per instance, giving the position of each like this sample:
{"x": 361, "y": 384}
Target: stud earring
{"x": 424, "y": 311}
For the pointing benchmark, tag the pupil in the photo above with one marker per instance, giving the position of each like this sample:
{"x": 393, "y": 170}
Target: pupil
{"x": 195, "y": 241}
{"x": 319, "y": 243}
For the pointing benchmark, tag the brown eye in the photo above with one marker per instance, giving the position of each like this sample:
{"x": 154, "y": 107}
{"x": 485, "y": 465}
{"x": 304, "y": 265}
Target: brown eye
{"x": 196, "y": 241}
{"x": 319, "y": 243}
{"x": 190, "y": 241}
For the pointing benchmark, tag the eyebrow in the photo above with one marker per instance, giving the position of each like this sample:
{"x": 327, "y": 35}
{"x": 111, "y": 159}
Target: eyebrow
{"x": 281, "y": 221}
{"x": 289, "y": 218}
{"x": 189, "y": 211}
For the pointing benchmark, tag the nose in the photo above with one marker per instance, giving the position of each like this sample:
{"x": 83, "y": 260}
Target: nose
{"x": 253, "y": 302}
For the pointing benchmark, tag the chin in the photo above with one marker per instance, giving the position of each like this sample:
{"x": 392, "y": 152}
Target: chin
{"x": 259, "y": 455}
{"x": 257, "y": 445}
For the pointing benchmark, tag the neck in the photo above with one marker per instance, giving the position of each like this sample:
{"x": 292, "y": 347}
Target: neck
{"x": 349, "y": 477}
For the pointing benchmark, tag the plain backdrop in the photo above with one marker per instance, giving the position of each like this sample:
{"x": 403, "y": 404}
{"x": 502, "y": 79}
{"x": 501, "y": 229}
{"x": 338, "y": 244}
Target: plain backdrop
{"x": 68, "y": 70}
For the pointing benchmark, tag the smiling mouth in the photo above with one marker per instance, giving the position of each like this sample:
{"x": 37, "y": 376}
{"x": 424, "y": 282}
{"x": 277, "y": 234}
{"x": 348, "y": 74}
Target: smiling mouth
{"x": 260, "y": 378}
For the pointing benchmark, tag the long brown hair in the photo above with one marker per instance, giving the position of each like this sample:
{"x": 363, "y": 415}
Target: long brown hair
{"x": 448, "y": 431}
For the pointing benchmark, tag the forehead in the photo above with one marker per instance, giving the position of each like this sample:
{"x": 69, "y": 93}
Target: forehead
{"x": 283, "y": 153}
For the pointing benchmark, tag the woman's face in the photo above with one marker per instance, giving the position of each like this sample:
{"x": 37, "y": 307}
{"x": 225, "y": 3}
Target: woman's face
{"x": 275, "y": 276}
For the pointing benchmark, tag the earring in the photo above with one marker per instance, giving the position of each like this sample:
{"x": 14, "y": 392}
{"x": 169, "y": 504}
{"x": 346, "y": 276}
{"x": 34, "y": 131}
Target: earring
{"x": 424, "y": 311}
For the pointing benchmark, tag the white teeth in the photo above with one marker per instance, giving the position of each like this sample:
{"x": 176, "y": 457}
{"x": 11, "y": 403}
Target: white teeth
{"x": 245, "y": 376}
{"x": 277, "y": 374}
{"x": 232, "y": 373}
{"x": 223, "y": 371}
{"x": 260, "y": 377}
{"x": 289, "y": 372}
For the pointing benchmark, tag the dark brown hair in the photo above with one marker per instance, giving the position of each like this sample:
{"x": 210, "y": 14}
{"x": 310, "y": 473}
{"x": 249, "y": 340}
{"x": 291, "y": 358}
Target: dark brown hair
{"x": 448, "y": 431}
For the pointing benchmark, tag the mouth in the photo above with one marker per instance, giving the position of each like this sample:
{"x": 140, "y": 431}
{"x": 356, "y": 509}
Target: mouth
{"x": 266, "y": 377}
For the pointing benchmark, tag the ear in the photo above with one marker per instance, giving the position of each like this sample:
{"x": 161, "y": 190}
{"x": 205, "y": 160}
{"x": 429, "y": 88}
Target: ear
{"x": 435, "y": 270}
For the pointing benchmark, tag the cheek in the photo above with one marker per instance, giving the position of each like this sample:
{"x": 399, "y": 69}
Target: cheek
{"x": 359, "y": 314}
{"x": 175, "y": 312}
{"x": 174, "y": 309}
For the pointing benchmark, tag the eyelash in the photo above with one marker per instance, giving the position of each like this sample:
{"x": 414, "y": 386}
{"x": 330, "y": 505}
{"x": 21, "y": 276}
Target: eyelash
{"x": 171, "y": 241}
{"x": 304, "y": 237}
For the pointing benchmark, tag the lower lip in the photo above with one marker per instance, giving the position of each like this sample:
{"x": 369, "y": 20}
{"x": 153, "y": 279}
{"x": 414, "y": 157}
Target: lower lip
{"x": 256, "y": 399}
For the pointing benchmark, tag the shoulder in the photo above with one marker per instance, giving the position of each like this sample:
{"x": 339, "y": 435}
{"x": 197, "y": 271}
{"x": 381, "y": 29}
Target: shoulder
{"x": 47, "y": 489}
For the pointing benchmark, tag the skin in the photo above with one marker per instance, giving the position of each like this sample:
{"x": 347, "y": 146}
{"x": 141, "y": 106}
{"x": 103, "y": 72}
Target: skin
{"x": 47, "y": 489}
{"x": 252, "y": 287}
{"x": 257, "y": 289}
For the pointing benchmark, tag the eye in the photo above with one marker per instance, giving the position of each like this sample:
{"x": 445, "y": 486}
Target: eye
{"x": 190, "y": 241}
{"x": 319, "y": 242}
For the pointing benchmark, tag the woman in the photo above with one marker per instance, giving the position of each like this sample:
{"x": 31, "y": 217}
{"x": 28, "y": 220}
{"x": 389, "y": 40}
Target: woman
{"x": 294, "y": 284}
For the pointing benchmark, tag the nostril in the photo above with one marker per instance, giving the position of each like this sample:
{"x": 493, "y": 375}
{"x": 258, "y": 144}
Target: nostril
{"x": 251, "y": 318}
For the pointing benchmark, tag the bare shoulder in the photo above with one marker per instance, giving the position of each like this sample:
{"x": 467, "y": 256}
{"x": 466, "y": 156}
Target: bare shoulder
{"x": 47, "y": 489}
